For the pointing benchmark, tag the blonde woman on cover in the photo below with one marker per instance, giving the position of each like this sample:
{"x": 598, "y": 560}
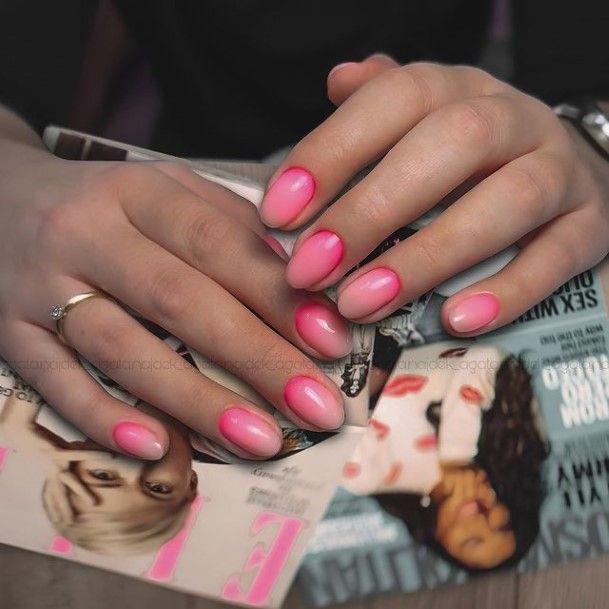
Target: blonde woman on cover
{"x": 102, "y": 501}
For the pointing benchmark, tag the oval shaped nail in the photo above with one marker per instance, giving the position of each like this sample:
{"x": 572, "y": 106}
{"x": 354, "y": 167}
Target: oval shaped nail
{"x": 138, "y": 441}
{"x": 287, "y": 196}
{"x": 250, "y": 432}
{"x": 368, "y": 293}
{"x": 315, "y": 259}
{"x": 323, "y": 329}
{"x": 313, "y": 403}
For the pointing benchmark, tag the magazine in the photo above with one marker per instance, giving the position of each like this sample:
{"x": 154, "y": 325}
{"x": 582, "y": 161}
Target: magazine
{"x": 199, "y": 520}
{"x": 480, "y": 454}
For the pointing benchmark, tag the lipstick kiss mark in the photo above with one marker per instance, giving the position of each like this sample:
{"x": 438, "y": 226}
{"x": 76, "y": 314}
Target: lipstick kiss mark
{"x": 351, "y": 469}
{"x": 381, "y": 430}
{"x": 405, "y": 383}
{"x": 394, "y": 473}
{"x": 470, "y": 394}
{"x": 426, "y": 443}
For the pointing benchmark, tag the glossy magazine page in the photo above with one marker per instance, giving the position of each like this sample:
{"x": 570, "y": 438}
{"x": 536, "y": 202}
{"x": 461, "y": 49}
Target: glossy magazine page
{"x": 218, "y": 526}
{"x": 479, "y": 455}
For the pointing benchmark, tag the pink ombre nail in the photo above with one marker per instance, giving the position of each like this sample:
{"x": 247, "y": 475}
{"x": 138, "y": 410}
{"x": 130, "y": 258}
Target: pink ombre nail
{"x": 368, "y": 293}
{"x": 249, "y": 431}
{"x": 287, "y": 196}
{"x": 323, "y": 329}
{"x": 474, "y": 312}
{"x": 138, "y": 441}
{"x": 315, "y": 259}
{"x": 276, "y": 247}
{"x": 313, "y": 403}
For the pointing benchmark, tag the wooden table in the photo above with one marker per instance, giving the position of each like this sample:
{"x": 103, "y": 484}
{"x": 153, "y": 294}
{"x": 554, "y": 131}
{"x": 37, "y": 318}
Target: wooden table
{"x": 34, "y": 581}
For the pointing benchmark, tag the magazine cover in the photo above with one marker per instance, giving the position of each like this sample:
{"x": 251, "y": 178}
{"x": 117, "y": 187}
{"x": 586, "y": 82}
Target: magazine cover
{"x": 479, "y": 455}
{"x": 200, "y": 519}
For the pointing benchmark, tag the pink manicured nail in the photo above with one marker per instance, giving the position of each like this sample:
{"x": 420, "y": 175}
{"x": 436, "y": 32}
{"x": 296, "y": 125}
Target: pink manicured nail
{"x": 368, "y": 293}
{"x": 276, "y": 247}
{"x": 340, "y": 66}
{"x": 138, "y": 441}
{"x": 474, "y": 312}
{"x": 249, "y": 431}
{"x": 287, "y": 196}
{"x": 313, "y": 403}
{"x": 315, "y": 259}
{"x": 323, "y": 329}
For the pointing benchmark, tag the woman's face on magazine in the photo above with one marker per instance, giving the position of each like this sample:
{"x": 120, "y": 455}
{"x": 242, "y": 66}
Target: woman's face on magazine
{"x": 122, "y": 484}
{"x": 472, "y": 526}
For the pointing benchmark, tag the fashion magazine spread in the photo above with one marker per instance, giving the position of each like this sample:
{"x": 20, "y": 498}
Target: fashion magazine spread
{"x": 479, "y": 455}
{"x": 217, "y": 526}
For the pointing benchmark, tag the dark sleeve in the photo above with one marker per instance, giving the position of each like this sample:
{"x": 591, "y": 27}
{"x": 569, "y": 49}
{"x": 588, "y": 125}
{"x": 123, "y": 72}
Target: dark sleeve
{"x": 41, "y": 49}
{"x": 561, "y": 48}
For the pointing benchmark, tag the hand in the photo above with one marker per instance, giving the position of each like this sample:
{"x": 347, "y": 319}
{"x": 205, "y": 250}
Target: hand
{"x": 187, "y": 255}
{"x": 516, "y": 173}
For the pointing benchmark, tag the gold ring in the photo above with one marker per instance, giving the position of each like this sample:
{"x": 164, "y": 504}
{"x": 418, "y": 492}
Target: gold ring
{"x": 59, "y": 312}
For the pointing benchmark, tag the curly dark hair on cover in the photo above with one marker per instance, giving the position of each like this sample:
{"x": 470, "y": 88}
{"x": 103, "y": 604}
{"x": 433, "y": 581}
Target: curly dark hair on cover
{"x": 511, "y": 450}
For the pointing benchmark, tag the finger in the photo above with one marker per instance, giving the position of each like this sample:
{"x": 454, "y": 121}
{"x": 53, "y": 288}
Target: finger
{"x": 114, "y": 342}
{"x": 203, "y": 315}
{"x": 443, "y": 151}
{"x": 345, "y": 78}
{"x": 230, "y": 254}
{"x": 222, "y": 198}
{"x": 361, "y": 130}
{"x": 547, "y": 261}
{"x": 500, "y": 210}
{"x": 53, "y": 370}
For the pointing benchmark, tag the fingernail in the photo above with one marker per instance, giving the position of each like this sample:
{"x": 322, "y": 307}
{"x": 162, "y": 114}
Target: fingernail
{"x": 474, "y": 312}
{"x": 315, "y": 259}
{"x": 249, "y": 431}
{"x": 313, "y": 403}
{"x": 138, "y": 441}
{"x": 276, "y": 247}
{"x": 340, "y": 66}
{"x": 323, "y": 329}
{"x": 368, "y": 293}
{"x": 287, "y": 196}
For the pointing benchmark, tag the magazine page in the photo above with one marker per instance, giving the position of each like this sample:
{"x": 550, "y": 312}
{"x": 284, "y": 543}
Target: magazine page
{"x": 479, "y": 455}
{"x": 199, "y": 520}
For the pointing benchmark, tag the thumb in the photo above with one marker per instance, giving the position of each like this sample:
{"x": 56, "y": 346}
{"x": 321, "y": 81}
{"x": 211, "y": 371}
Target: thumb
{"x": 346, "y": 78}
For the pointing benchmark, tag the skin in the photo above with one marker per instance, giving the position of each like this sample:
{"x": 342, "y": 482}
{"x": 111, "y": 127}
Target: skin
{"x": 533, "y": 182}
{"x": 472, "y": 526}
{"x": 183, "y": 252}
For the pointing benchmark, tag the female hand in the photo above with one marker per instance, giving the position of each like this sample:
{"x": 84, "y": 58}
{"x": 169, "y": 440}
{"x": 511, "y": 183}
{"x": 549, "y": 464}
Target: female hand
{"x": 516, "y": 173}
{"x": 182, "y": 252}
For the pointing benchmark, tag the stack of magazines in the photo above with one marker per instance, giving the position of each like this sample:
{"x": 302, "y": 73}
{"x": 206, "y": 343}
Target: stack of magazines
{"x": 457, "y": 457}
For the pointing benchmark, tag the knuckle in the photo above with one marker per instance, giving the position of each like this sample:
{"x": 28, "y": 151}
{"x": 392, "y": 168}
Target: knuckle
{"x": 206, "y": 235}
{"x": 170, "y": 296}
{"x": 112, "y": 340}
{"x": 473, "y": 123}
{"x": 414, "y": 81}
{"x": 430, "y": 252}
{"x": 536, "y": 185}
{"x": 372, "y": 207}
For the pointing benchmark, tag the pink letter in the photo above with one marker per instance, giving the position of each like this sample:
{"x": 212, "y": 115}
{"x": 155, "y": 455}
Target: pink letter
{"x": 3, "y": 455}
{"x": 61, "y": 545}
{"x": 267, "y": 564}
{"x": 165, "y": 561}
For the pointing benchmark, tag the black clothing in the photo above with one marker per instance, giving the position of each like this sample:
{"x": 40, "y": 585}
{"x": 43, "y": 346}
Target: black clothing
{"x": 245, "y": 77}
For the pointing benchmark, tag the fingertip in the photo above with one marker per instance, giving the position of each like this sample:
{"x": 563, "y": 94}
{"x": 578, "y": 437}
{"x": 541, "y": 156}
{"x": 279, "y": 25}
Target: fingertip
{"x": 138, "y": 440}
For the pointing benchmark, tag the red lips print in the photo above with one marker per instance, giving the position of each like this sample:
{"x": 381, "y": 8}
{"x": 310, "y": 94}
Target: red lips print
{"x": 405, "y": 383}
{"x": 470, "y": 394}
{"x": 351, "y": 469}
{"x": 381, "y": 430}
{"x": 426, "y": 443}
{"x": 454, "y": 352}
{"x": 394, "y": 473}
